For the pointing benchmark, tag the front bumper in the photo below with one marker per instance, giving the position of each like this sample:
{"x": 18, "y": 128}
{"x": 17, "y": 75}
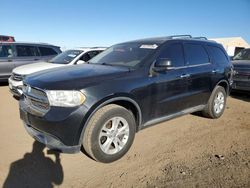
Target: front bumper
{"x": 51, "y": 141}
{"x": 15, "y": 87}
{"x": 60, "y": 128}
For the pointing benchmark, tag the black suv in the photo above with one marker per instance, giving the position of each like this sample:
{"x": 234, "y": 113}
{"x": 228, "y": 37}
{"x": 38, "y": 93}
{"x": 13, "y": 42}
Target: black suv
{"x": 99, "y": 106}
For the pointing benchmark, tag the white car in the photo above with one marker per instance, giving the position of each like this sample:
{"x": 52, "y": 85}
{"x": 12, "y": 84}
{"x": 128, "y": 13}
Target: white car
{"x": 68, "y": 57}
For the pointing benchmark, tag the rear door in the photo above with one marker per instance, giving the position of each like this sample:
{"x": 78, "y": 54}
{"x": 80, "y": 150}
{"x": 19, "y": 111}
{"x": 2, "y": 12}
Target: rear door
{"x": 26, "y": 54}
{"x": 6, "y": 60}
{"x": 200, "y": 70}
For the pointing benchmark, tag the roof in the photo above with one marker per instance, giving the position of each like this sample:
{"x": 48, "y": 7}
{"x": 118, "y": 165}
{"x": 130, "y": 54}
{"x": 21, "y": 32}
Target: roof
{"x": 160, "y": 40}
{"x": 89, "y": 48}
{"x": 29, "y": 43}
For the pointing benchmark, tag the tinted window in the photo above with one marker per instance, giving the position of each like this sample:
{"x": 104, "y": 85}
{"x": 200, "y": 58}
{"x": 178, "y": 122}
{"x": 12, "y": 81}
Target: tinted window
{"x": 6, "y": 51}
{"x": 24, "y": 51}
{"x": 85, "y": 57}
{"x": 47, "y": 51}
{"x": 196, "y": 54}
{"x": 243, "y": 55}
{"x": 217, "y": 55}
{"x": 93, "y": 54}
{"x": 173, "y": 52}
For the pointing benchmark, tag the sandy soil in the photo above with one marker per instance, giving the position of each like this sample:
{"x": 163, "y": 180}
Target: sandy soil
{"x": 189, "y": 151}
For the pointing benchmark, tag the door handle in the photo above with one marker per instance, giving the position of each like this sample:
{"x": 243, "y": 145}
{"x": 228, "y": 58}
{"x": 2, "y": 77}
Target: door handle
{"x": 185, "y": 76}
{"x": 214, "y": 71}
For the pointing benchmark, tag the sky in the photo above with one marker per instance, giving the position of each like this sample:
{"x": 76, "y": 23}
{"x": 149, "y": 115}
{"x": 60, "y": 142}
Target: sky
{"x": 77, "y": 23}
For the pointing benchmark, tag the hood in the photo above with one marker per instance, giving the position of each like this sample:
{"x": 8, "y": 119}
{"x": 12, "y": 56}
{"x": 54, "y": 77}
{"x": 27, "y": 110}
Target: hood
{"x": 74, "y": 77}
{"x": 242, "y": 64}
{"x": 35, "y": 67}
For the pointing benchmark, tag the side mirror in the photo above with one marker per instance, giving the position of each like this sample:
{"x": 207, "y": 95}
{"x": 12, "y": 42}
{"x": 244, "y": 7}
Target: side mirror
{"x": 162, "y": 65}
{"x": 80, "y": 62}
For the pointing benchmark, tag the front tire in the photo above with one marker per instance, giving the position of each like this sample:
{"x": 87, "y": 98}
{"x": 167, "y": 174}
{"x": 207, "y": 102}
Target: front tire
{"x": 109, "y": 133}
{"x": 216, "y": 104}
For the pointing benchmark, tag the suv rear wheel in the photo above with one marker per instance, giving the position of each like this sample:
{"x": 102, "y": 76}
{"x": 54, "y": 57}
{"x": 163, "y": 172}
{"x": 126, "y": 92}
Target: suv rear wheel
{"x": 216, "y": 104}
{"x": 109, "y": 133}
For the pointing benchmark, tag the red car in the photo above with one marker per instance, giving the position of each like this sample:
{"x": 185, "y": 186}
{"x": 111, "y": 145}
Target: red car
{"x": 4, "y": 38}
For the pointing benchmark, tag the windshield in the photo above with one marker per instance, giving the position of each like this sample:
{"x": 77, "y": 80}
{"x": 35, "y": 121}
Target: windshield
{"x": 243, "y": 55}
{"x": 127, "y": 54}
{"x": 66, "y": 57}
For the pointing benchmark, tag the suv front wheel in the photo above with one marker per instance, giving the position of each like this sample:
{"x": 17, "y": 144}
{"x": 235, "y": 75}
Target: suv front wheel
{"x": 216, "y": 104}
{"x": 109, "y": 133}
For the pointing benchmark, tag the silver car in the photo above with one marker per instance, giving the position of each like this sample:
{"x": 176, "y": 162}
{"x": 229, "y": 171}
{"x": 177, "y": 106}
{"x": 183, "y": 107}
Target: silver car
{"x": 14, "y": 54}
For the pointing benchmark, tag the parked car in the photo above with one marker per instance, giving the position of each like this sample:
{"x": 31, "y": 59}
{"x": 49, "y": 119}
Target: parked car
{"x": 241, "y": 64}
{"x": 14, "y": 54}
{"x": 4, "y": 38}
{"x": 100, "y": 105}
{"x": 68, "y": 57}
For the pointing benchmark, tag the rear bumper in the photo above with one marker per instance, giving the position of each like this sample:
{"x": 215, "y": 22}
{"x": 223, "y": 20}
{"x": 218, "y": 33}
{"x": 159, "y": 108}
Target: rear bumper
{"x": 51, "y": 141}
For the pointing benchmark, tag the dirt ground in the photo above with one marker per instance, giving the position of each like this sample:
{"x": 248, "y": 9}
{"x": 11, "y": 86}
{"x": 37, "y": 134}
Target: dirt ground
{"x": 189, "y": 151}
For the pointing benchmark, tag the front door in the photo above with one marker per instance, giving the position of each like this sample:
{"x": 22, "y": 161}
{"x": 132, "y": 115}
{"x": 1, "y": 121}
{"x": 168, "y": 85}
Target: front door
{"x": 170, "y": 86}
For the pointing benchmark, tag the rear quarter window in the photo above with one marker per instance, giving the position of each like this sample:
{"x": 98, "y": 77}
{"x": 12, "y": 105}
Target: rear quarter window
{"x": 196, "y": 54}
{"x": 6, "y": 51}
{"x": 217, "y": 55}
{"x": 46, "y": 51}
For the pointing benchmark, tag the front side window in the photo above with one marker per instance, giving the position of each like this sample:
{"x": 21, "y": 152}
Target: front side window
{"x": 6, "y": 51}
{"x": 243, "y": 55}
{"x": 45, "y": 51}
{"x": 173, "y": 52}
{"x": 196, "y": 54}
{"x": 66, "y": 57}
{"x": 127, "y": 54}
{"x": 26, "y": 51}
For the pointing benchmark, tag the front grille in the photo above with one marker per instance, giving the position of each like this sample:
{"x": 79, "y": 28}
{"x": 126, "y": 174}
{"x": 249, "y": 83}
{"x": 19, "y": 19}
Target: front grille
{"x": 36, "y": 99}
{"x": 17, "y": 77}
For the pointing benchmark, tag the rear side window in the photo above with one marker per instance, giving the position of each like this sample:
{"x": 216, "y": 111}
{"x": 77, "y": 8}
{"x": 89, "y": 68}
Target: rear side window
{"x": 45, "y": 51}
{"x": 6, "y": 51}
{"x": 174, "y": 52}
{"x": 93, "y": 54}
{"x": 217, "y": 55}
{"x": 26, "y": 51}
{"x": 196, "y": 54}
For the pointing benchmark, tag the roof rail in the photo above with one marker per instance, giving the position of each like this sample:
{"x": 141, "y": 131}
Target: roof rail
{"x": 180, "y": 36}
{"x": 201, "y": 38}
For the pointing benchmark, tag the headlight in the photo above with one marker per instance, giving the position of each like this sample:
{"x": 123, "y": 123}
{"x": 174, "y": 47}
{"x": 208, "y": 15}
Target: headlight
{"x": 65, "y": 98}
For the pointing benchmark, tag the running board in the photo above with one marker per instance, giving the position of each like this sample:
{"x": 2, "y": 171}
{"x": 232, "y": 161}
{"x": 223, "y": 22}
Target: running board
{"x": 171, "y": 116}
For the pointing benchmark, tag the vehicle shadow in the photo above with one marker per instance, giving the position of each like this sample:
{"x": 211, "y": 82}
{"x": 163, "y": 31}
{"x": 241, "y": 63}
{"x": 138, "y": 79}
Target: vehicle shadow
{"x": 244, "y": 96}
{"x": 35, "y": 170}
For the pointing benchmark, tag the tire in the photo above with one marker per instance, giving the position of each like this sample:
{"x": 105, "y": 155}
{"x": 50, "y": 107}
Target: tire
{"x": 100, "y": 139}
{"x": 210, "y": 109}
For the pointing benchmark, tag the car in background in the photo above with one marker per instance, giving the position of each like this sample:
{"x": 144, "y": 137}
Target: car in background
{"x": 241, "y": 63}
{"x": 4, "y": 38}
{"x": 68, "y": 57}
{"x": 14, "y": 54}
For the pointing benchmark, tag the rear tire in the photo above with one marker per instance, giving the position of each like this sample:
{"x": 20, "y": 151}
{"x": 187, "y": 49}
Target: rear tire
{"x": 216, "y": 103}
{"x": 109, "y": 133}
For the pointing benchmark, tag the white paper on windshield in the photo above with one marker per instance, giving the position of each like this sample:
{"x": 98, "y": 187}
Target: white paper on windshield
{"x": 71, "y": 55}
{"x": 149, "y": 46}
